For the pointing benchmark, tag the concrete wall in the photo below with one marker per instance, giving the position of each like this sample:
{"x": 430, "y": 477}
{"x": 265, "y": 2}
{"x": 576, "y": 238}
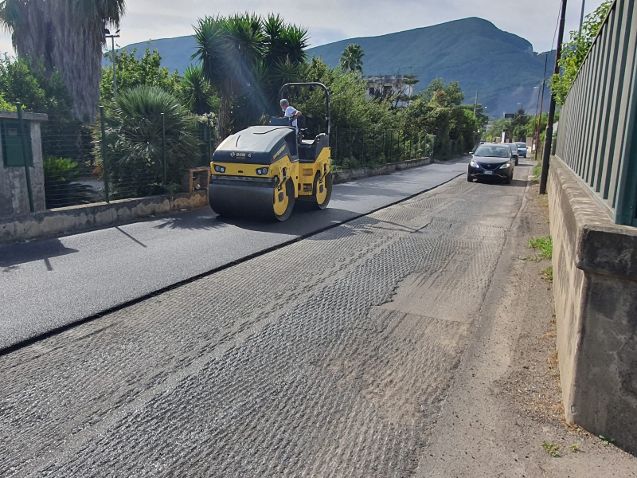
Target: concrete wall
{"x": 73, "y": 219}
{"x": 14, "y": 198}
{"x": 345, "y": 175}
{"x": 595, "y": 287}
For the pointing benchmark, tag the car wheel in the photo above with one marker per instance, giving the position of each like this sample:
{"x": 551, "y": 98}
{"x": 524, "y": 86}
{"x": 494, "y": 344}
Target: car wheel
{"x": 469, "y": 178}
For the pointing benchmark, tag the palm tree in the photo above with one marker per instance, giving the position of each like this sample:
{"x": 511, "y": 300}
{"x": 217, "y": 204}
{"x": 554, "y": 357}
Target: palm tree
{"x": 66, "y": 36}
{"x": 284, "y": 43}
{"x": 245, "y": 55}
{"x": 285, "y": 55}
{"x": 228, "y": 49}
{"x": 196, "y": 91}
{"x": 134, "y": 137}
{"x": 352, "y": 58}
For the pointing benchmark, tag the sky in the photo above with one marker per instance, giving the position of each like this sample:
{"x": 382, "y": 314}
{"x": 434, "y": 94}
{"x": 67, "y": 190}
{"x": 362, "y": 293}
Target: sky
{"x": 332, "y": 20}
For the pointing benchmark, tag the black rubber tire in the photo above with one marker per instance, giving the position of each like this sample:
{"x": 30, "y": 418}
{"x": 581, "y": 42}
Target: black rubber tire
{"x": 329, "y": 185}
{"x": 289, "y": 190}
{"x": 517, "y": 162}
{"x": 469, "y": 178}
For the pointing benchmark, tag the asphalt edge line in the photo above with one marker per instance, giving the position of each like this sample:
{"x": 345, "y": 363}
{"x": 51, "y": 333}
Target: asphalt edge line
{"x": 59, "y": 330}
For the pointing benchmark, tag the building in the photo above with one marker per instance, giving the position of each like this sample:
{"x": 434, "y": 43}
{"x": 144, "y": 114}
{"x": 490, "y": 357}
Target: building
{"x": 399, "y": 88}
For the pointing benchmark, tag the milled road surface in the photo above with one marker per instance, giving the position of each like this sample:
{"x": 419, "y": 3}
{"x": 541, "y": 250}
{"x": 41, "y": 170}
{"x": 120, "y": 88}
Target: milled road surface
{"x": 45, "y": 285}
{"x": 328, "y": 357}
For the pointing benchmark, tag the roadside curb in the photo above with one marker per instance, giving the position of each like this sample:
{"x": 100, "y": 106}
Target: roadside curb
{"x": 346, "y": 175}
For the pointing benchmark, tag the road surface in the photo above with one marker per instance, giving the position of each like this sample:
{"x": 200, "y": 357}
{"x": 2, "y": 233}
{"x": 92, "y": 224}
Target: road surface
{"x": 329, "y": 357}
{"x": 45, "y": 285}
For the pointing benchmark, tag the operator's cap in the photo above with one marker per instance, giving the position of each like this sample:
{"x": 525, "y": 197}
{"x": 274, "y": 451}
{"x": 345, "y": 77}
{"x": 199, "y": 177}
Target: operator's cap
{"x": 284, "y": 101}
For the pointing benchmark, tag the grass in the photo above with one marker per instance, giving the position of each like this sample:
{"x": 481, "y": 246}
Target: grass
{"x": 553, "y": 449}
{"x": 575, "y": 448}
{"x": 547, "y": 274}
{"x": 537, "y": 171}
{"x": 543, "y": 245}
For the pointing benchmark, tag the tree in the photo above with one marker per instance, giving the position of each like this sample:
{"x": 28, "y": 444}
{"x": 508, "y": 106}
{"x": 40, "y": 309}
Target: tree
{"x": 438, "y": 110}
{"x": 27, "y": 83}
{"x": 228, "y": 49}
{"x": 352, "y": 58}
{"x": 519, "y": 126}
{"x": 285, "y": 55}
{"x": 196, "y": 91}
{"x": 246, "y": 58}
{"x": 134, "y": 139}
{"x": 66, "y": 36}
{"x": 444, "y": 94}
{"x": 575, "y": 51}
{"x": 133, "y": 71}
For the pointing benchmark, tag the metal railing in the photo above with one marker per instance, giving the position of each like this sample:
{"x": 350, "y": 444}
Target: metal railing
{"x": 352, "y": 148}
{"x": 87, "y": 163}
{"x": 597, "y": 134}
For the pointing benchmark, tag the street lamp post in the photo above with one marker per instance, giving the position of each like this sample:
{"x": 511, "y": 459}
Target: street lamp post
{"x": 107, "y": 34}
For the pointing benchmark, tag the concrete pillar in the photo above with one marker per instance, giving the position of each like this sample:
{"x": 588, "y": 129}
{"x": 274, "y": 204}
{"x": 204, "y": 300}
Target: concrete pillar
{"x": 14, "y": 198}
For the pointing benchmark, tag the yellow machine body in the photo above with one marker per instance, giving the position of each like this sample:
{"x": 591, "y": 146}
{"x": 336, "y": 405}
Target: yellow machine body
{"x": 255, "y": 173}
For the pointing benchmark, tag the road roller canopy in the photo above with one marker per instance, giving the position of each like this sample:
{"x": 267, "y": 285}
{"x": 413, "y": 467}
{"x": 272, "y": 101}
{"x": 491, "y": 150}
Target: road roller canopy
{"x": 256, "y": 145}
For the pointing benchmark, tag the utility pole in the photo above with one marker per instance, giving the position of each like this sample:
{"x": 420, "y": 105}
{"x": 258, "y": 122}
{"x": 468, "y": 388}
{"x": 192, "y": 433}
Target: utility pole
{"x": 581, "y": 18}
{"x": 107, "y": 34}
{"x": 549, "y": 127}
{"x": 475, "y": 105}
{"x": 539, "y": 118}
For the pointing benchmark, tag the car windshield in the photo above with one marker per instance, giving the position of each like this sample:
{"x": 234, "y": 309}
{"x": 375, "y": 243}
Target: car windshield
{"x": 493, "y": 151}
{"x": 521, "y": 145}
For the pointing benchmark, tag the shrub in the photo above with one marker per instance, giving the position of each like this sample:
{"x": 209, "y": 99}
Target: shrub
{"x": 60, "y": 183}
{"x": 135, "y": 143}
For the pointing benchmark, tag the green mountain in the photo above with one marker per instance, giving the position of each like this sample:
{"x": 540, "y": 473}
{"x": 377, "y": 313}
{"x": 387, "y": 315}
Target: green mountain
{"x": 501, "y": 67}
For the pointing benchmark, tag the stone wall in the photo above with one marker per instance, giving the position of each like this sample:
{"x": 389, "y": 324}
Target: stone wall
{"x": 73, "y": 219}
{"x": 595, "y": 287}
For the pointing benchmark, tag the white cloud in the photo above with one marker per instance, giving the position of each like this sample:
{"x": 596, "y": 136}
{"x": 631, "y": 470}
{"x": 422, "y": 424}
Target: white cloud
{"x": 330, "y": 20}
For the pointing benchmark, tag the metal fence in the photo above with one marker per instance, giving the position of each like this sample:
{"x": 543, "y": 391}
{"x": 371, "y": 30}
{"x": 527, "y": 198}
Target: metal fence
{"x": 597, "y": 134}
{"x": 99, "y": 163}
{"x": 87, "y": 165}
{"x": 94, "y": 163}
{"x": 352, "y": 148}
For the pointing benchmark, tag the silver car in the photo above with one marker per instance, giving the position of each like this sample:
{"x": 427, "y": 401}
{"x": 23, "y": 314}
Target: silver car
{"x": 522, "y": 149}
{"x": 514, "y": 152}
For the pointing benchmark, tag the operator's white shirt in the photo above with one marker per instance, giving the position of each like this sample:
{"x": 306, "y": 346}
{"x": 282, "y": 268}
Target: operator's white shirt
{"x": 290, "y": 111}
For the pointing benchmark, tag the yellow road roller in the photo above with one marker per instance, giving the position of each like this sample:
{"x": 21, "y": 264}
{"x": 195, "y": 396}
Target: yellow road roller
{"x": 262, "y": 171}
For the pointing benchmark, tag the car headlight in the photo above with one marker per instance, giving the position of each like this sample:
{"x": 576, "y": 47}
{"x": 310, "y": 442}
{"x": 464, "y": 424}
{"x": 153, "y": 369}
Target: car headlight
{"x": 474, "y": 164}
{"x": 262, "y": 171}
{"x": 505, "y": 166}
{"x": 219, "y": 169}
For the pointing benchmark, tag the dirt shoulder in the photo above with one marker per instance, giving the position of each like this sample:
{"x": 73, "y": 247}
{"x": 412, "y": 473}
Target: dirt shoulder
{"x": 503, "y": 414}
